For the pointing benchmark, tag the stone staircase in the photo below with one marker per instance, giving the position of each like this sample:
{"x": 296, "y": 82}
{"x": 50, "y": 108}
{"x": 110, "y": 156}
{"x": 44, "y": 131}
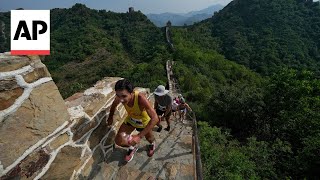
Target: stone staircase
{"x": 173, "y": 158}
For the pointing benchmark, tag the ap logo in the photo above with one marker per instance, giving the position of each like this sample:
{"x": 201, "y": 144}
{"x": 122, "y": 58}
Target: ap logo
{"x": 30, "y": 32}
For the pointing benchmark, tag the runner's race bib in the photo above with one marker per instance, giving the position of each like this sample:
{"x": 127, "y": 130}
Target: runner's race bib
{"x": 161, "y": 108}
{"x": 137, "y": 122}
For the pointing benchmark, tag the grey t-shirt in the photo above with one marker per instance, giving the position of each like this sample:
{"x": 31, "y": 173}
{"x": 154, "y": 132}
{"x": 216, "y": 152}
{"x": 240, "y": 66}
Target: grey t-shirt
{"x": 163, "y": 101}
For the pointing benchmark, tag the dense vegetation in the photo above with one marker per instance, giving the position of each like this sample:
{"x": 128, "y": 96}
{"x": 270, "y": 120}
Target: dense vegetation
{"x": 265, "y": 35}
{"x": 251, "y": 74}
{"x": 281, "y": 127}
{"x": 268, "y": 126}
{"x": 4, "y": 31}
{"x": 101, "y": 44}
{"x": 256, "y": 127}
{"x": 87, "y": 45}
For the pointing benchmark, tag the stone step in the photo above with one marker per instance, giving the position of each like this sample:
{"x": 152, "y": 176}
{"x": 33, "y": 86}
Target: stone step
{"x": 173, "y": 158}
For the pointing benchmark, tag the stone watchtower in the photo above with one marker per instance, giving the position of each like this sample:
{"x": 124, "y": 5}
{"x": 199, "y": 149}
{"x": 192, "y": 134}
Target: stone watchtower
{"x": 131, "y": 10}
{"x": 169, "y": 24}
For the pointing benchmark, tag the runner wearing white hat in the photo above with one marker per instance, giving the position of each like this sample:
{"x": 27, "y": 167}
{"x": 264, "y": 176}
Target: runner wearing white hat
{"x": 162, "y": 104}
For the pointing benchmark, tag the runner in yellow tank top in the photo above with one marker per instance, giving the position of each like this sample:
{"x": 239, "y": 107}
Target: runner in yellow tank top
{"x": 136, "y": 117}
{"x": 141, "y": 116}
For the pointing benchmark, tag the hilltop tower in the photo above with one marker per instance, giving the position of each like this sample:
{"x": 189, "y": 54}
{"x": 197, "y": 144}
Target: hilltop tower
{"x": 131, "y": 10}
{"x": 169, "y": 23}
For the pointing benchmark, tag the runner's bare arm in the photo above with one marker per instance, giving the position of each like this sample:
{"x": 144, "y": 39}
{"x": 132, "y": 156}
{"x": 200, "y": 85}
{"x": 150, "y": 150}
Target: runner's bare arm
{"x": 168, "y": 109}
{"x": 155, "y": 105}
{"x": 145, "y": 104}
{"x": 189, "y": 108}
{"x": 115, "y": 103}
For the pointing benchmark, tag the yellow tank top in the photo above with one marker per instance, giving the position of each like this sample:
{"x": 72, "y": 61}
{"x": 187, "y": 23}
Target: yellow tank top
{"x": 136, "y": 117}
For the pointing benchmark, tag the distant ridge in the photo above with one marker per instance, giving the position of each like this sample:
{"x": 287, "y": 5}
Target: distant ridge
{"x": 180, "y": 19}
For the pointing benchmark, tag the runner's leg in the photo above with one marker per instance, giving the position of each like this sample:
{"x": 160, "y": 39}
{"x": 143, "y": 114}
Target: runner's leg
{"x": 168, "y": 121}
{"x": 150, "y": 138}
{"x": 151, "y": 147}
{"x": 159, "y": 113}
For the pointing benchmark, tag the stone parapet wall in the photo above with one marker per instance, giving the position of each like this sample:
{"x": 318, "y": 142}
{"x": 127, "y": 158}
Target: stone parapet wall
{"x": 43, "y": 136}
{"x": 28, "y": 109}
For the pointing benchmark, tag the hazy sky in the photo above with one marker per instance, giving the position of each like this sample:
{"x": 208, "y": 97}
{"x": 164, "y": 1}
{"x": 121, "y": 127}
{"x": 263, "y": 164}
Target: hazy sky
{"x": 146, "y": 6}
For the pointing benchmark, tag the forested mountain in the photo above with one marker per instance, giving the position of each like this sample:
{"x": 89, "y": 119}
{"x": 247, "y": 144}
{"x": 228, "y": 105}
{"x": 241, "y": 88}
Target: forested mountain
{"x": 160, "y": 20}
{"x": 87, "y": 45}
{"x": 257, "y": 127}
{"x": 266, "y": 35}
{"x": 96, "y": 44}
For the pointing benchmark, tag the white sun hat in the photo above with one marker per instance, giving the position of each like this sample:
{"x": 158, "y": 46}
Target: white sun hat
{"x": 160, "y": 90}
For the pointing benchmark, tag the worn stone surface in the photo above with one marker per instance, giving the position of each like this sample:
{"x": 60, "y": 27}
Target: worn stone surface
{"x": 36, "y": 74}
{"x": 171, "y": 169}
{"x": 60, "y": 140}
{"x": 107, "y": 81}
{"x": 8, "y": 84}
{"x": 9, "y": 92}
{"x": 173, "y": 158}
{"x": 33, "y": 57}
{"x": 117, "y": 120}
{"x": 29, "y": 167}
{"x": 129, "y": 173}
{"x": 97, "y": 156}
{"x": 82, "y": 127}
{"x": 186, "y": 171}
{"x": 106, "y": 172}
{"x": 94, "y": 98}
{"x": 97, "y": 134}
{"x": 36, "y": 63}
{"x": 102, "y": 115}
{"x": 95, "y": 103}
{"x": 91, "y": 168}
{"x": 179, "y": 171}
{"x": 40, "y": 115}
{"x": 74, "y": 100}
{"x": 111, "y": 137}
{"x": 7, "y": 98}
{"x": 67, "y": 160}
{"x": 186, "y": 142}
{"x": 11, "y": 63}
